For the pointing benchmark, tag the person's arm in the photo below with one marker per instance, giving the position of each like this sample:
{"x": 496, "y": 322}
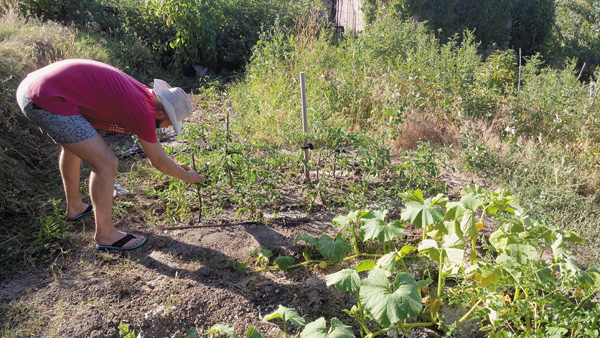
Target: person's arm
{"x": 163, "y": 163}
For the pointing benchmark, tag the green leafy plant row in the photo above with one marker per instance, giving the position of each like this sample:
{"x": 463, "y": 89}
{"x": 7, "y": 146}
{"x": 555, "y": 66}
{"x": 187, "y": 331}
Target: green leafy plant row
{"x": 526, "y": 281}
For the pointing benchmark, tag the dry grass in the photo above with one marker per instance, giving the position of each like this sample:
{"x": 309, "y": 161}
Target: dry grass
{"x": 426, "y": 128}
{"x": 35, "y": 44}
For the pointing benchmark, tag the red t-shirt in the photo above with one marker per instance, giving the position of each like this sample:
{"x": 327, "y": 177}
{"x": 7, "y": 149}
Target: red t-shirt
{"x": 105, "y": 96}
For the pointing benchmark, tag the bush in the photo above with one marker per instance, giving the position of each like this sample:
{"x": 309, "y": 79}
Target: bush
{"x": 554, "y": 105}
{"x": 576, "y": 34}
{"x": 392, "y": 70}
{"x": 505, "y": 23}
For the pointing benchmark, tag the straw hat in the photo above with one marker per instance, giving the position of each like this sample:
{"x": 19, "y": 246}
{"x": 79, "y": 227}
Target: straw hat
{"x": 176, "y": 102}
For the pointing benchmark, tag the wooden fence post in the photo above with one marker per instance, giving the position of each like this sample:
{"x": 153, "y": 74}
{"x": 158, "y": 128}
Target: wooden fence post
{"x": 305, "y": 146}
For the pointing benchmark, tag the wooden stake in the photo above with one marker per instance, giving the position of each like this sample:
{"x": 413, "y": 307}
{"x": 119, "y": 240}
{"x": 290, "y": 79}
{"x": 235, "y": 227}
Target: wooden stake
{"x": 581, "y": 72}
{"x": 519, "y": 83}
{"x": 304, "y": 126}
{"x": 198, "y": 191}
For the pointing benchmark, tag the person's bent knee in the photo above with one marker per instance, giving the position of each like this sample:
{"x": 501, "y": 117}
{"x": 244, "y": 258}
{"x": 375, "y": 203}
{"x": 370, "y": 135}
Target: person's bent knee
{"x": 107, "y": 165}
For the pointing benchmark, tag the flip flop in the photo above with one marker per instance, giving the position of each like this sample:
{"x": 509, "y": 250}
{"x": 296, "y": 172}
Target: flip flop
{"x": 118, "y": 245}
{"x": 87, "y": 211}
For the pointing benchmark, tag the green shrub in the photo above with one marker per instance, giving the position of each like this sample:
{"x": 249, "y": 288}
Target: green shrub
{"x": 374, "y": 81}
{"x": 554, "y": 105}
{"x": 514, "y": 23}
{"x": 495, "y": 83}
{"x": 576, "y": 34}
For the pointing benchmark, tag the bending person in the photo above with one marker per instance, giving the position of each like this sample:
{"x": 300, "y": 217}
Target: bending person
{"x": 69, "y": 99}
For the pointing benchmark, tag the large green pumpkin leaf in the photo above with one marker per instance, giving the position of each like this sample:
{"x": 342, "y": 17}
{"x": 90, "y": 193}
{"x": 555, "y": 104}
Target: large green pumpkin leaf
{"x": 389, "y": 307}
{"x": 308, "y": 239}
{"x": 352, "y": 216}
{"x": 523, "y": 253}
{"x": 286, "y": 314}
{"x": 253, "y": 333}
{"x": 422, "y": 214}
{"x": 221, "y": 329}
{"x": 191, "y": 333}
{"x": 344, "y": 280}
{"x": 430, "y": 248}
{"x": 388, "y": 262}
{"x": 374, "y": 227}
{"x": 452, "y": 250}
{"x": 284, "y": 262}
{"x": 329, "y": 248}
{"x": 501, "y": 240}
{"x": 318, "y": 329}
{"x": 413, "y": 196}
{"x": 472, "y": 188}
{"x": 463, "y": 213}
{"x": 365, "y": 265}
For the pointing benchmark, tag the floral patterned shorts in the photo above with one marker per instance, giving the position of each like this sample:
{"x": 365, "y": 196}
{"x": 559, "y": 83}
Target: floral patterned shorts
{"x": 62, "y": 129}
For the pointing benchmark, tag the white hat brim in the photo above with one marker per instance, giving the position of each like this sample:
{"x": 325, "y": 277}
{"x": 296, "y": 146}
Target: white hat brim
{"x": 161, "y": 89}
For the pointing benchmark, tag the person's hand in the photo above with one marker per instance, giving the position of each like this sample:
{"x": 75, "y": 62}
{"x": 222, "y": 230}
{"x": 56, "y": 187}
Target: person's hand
{"x": 191, "y": 176}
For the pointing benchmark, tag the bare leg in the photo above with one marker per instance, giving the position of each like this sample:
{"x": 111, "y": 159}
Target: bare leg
{"x": 103, "y": 162}
{"x": 70, "y": 171}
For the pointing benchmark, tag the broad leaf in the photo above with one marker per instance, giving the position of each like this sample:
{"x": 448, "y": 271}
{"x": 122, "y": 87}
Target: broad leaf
{"x": 344, "y": 280}
{"x": 405, "y": 250}
{"x": 284, "y": 262}
{"x": 562, "y": 236}
{"x": 374, "y": 227}
{"x": 413, "y": 196}
{"x": 252, "y": 333}
{"x": 422, "y": 214}
{"x": 463, "y": 213}
{"x": 430, "y": 248}
{"x": 264, "y": 255}
{"x": 365, "y": 265}
{"x": 501, "y": 240}
{"x": 594, "y": 280}
{"x": 318, "y": 329}
{"x": 452, "y": 251}
{"x": 509, "y": 264}
{"x": 221, "y": 329}
{"x": 389, "y": 307}
{"x": 502, "y": 199}
{"x": 329, "y": 248}
{"x": 308, "y": 239}
{"x": 472, "y": 188}
{"x": 388, "y": 262}
{"x": 191, "y": 333}
{"x": 522, "y": 252}
{"x": 286, "y": 314}
{"x": 484, "y": 274}
{"x": 352, "y": 216}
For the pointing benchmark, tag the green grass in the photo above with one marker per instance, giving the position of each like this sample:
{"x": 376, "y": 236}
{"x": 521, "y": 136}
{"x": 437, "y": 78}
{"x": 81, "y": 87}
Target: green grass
{"x": 549, "y": 182}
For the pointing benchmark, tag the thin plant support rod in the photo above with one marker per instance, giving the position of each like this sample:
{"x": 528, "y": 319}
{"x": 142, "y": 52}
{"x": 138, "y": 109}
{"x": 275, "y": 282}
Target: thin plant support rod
{"x": 304, "y": 126}
{"x": 198, "y": 191}
{"x": 581, "y": 72}
{"x": 519, "y": 83}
